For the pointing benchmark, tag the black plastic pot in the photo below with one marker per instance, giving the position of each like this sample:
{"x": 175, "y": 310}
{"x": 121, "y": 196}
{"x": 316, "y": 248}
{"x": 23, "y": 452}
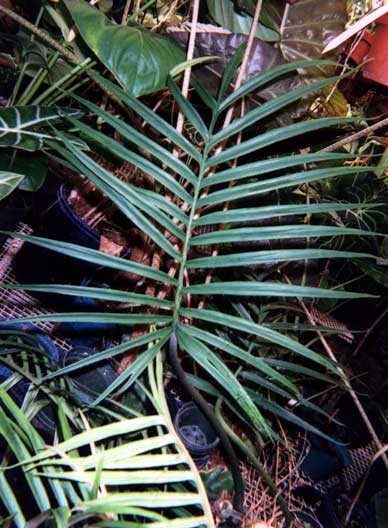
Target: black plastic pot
{"x": 44, "y": 419}
{"x": 196, "y": 432}
{"x": 90, "y": 381}
{"x": 35, "y": 265}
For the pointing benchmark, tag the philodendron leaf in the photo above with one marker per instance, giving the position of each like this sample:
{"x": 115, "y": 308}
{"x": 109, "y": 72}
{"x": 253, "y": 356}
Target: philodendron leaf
{"x": 23, "y": 127}
{"x": 33, "y": 165}
{"x": 8, "y": 182}
{"x": 307, "y": 27}
{"x": 140, "y": 60}
{"x": 225, "y": 14}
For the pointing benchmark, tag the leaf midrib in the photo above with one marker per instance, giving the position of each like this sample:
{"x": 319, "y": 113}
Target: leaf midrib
{"x": 186, "y": 244}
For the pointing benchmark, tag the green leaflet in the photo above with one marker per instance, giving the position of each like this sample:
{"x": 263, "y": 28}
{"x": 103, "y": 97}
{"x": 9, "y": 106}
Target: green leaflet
{"x": 274, "y": 233}
{"x": 256, "y": 258}
{"x": 260, "y": 331}
{"x": 95, "y": 257}
{"x": 270, "y": 289}
{"x": 253, "y": 214}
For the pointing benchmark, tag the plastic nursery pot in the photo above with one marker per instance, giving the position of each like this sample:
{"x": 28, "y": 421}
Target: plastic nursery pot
{"x": 32, "y": 336}
{"x": 376, "y": 68}
{"x": 320, "y": 505}
{"x": 89, "y": 381}
{"x": 37, "y": 265}
{"x": 196, "y": 432}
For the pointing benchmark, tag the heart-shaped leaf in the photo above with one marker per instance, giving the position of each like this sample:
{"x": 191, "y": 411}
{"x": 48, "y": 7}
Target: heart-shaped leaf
{"x": 225, "y": 14}
{"x": 8, "y": 182}
{"x": 140, "y": 60}
{"x": 307, "y": 27}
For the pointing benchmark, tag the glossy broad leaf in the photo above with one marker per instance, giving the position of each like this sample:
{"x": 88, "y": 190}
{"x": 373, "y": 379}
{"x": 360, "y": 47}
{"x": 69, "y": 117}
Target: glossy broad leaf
{"x": 8, "y": 182}
{"x": 139, "y": 59}
{"x": 226, "y": 15}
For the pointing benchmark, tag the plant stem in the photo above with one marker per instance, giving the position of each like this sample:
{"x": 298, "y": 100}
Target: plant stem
{"x": 255, "y": 463}
{"x": 355, "y": 136}
{"x": 182, "y": 264}
{"x": 244, "y": 64}
{"x": 189, "y": 56}
{"x": 126, "y": 12}
{"x": 43, "y": 35}
{"x": 63, "y": 80}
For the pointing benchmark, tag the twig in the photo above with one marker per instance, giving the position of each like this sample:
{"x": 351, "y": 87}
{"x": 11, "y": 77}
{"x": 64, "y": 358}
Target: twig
{"x": 189, "y": 56}
{"x": 244, "y": 64}
{"x": 256, "y": 464}
{"x": 355, "y": 28}
{"x": 43, "y": 35}
{"x": 356, "y": 136}
{"x": 351, "y": 391}
{"x": 126, "y": 12}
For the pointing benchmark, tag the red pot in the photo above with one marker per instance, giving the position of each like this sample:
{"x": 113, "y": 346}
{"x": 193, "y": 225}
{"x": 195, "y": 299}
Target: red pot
{"x": 376, "y": 67}
{"x": 357, "y": 53}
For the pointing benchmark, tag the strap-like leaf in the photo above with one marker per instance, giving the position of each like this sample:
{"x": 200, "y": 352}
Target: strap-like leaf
{"x": 269, "y": 289}
{"x": 246, "y": 234}
{"x": 129, "y": 375}
{"x": 283, "y": 413}
{"x": 230, "y": 71}
{"x": 112, "y": 187}
{"x": 269, "y": 108}
{"x": 103, "y": 294}
{"x": 21, "y": 453}
{"x": 219, "y": 371}
{"x": 249, "y": 327}
{"x": 253, "y": 214}
{"x": 96, "y": 257}
{"x": 280, "y": 182}
{"x": 94, "y": 317}
{"x": 109, "y": 353}
{"x": 127, "y": 198}
{"x": 265, "y": 166}
{"x": 159, "y": 124}
{"x": 255, "y": 258}
{"x": 142, "y": 163}
{"x": 188, "y": 110}
{"x": 264, "y": 78}
{"x": 298, "y": 369}
{"x": 141, "y": 140}
{"x": 242, "y": 355}
{"x": 274, "y": 136}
